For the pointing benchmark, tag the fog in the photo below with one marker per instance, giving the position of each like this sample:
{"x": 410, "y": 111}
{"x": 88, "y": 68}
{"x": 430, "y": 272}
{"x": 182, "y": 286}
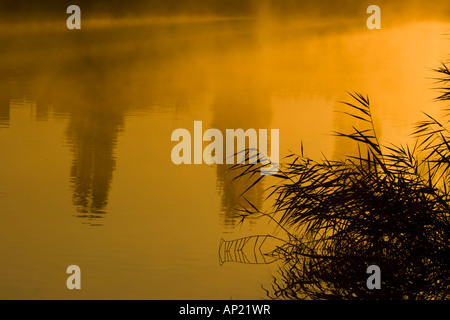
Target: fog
{"x": 20, "y": 10}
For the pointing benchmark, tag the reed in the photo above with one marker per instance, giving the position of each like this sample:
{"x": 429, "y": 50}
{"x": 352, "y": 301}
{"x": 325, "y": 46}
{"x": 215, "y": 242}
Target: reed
{"x": 388, "y": 206}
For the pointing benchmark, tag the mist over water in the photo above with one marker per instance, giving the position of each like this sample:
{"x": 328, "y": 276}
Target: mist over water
{"x": 86, "y": 118}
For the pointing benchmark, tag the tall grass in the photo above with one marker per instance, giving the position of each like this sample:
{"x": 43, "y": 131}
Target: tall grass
{"x": 387, "y": 206}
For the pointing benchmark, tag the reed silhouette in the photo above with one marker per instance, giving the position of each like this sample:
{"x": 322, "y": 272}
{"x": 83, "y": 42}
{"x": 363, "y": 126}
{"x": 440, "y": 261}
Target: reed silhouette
{"x": 388, "y": 206}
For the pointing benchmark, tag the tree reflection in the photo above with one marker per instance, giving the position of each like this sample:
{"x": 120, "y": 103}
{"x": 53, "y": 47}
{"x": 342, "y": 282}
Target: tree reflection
{"x": 4, "y": 99}
{"x": 234, "y": 109}
{"x": 93, "y": 136}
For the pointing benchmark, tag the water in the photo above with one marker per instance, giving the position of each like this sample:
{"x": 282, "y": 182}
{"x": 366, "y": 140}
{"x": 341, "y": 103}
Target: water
{"x": 86, "y": 117}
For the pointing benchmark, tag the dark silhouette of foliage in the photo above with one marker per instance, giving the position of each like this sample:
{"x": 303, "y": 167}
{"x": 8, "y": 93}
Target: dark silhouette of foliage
{"x": 387, "y": 206}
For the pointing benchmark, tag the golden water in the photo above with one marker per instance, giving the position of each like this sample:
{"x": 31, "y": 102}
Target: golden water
{"x": 86, "y": 117}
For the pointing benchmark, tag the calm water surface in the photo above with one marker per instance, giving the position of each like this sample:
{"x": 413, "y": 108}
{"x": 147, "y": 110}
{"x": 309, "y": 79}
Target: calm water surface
{"x": 86, "y": 117}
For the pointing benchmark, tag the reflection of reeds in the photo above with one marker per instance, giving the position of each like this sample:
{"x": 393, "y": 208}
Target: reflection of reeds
{"x": 387, "y": 206}
{"x": 249, "y": 250}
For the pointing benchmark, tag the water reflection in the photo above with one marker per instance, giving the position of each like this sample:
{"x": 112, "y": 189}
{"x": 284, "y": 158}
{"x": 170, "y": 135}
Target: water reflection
{"x": 414, "y": 263}
{"x": 82, "y": 87}
{"x": 92, "y": 134}
{"x": 242, "y": 102}
{"x": 4, "y": 99}
{"x": 110, "y": 84}
{"x": 42, "y": 112}
{"x": 4, "y": 111}
{"x": 96, "y": 77}
{"x": 96, "y": 104}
